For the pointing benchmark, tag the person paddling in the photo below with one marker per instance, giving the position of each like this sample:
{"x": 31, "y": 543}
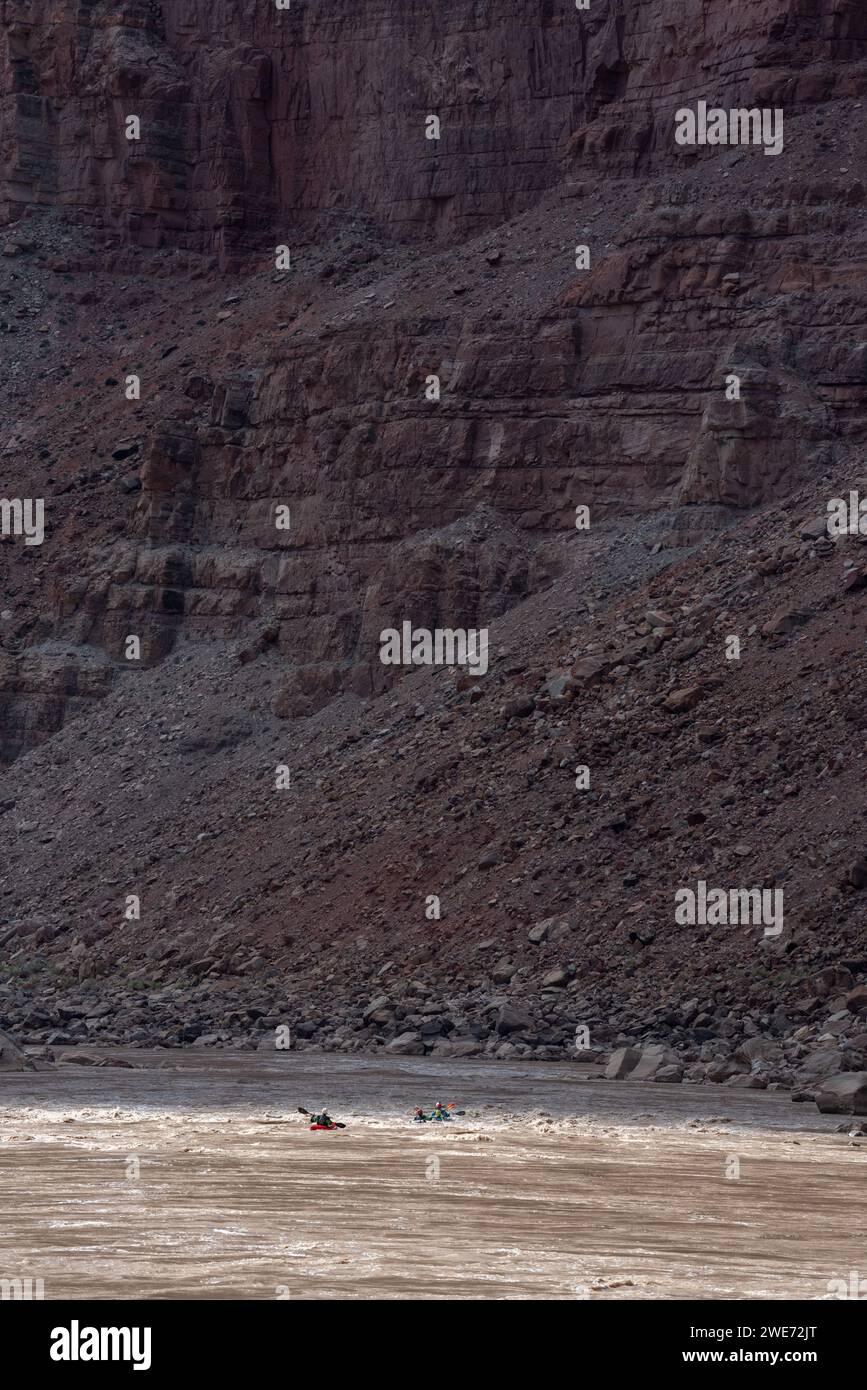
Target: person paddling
{"x": 321, "y": 1121}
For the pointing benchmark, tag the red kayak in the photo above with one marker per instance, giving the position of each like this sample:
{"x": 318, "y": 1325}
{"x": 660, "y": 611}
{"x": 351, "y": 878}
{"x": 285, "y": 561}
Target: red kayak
{"x": 327, "y": 1128}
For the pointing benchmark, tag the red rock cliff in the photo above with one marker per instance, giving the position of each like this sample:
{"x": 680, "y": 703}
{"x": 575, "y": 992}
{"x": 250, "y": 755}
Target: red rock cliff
{"x": 253, "y": 118}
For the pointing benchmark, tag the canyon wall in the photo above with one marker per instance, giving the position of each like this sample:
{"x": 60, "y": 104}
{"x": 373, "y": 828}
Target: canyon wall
{"x": 411, "y": 258}
{"x": 254, "y": 119}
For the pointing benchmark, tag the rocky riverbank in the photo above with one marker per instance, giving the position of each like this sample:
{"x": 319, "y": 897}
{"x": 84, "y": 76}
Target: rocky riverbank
{"x": 805, "y": 1048}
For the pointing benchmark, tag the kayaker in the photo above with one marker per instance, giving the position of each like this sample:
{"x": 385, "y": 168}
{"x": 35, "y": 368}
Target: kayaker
{"x": 323, "y": 1119}
{"x": 440, "y": 1112}
{"x": 419, "y": 1115}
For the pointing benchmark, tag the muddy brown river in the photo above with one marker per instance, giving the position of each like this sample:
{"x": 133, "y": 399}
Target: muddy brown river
{"x": 194, "y": 1177}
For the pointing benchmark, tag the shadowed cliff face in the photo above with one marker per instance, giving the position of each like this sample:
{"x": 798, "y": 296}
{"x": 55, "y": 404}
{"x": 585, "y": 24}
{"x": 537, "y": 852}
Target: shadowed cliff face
{"x": 253, "y": 118}
{"x": 583, "y": 292}
{"x": 560, "y": 383}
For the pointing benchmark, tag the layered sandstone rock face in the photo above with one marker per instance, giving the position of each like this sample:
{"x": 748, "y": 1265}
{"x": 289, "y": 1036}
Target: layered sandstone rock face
{"x": 411, "y": 257}
{"x": 253, "y": 117}
{"x": 430, "y": 389}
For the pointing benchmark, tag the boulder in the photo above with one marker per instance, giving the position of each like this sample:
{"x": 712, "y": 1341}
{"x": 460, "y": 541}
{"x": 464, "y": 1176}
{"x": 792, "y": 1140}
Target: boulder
{"x": 653, "y": 1058}
{"x": 856, "y": 1000}
{"x": 815, "y": 528}
{"x": 856, "y": 874}
{"x": 589, "y": 669}
{"x": 621, "y": 1063}
{"x": 845, "y": 1094}
{"x": 828, "y": 1061}
{"x": 785, "y": 620}
{"x": 503, "y": 971}
{"x": 380, "y": 1006}
{"x": 433, "y": 1028}
{"x": 683, "y": 699}
{"x": 519, "y": 708}
{"x": 406, "y": 1045}
{"x": 838, "y": 1023}
{"x": 12, "y": 1057}
{"x": 538, "y": 933}
{"x": 559, "y": 688}
{"x": 655, "y": 618}
{"x": 831, "y": 978}
{"x": 555, "y": 979}
{"x": 682, "y": 651}
{"x": 456, "y": 1047}
{"x": 721, "y": 1069}
{"x": 669, "y": 1073}
{"x": 513, "y": 1019}
{"x": 758, "y": 1049}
